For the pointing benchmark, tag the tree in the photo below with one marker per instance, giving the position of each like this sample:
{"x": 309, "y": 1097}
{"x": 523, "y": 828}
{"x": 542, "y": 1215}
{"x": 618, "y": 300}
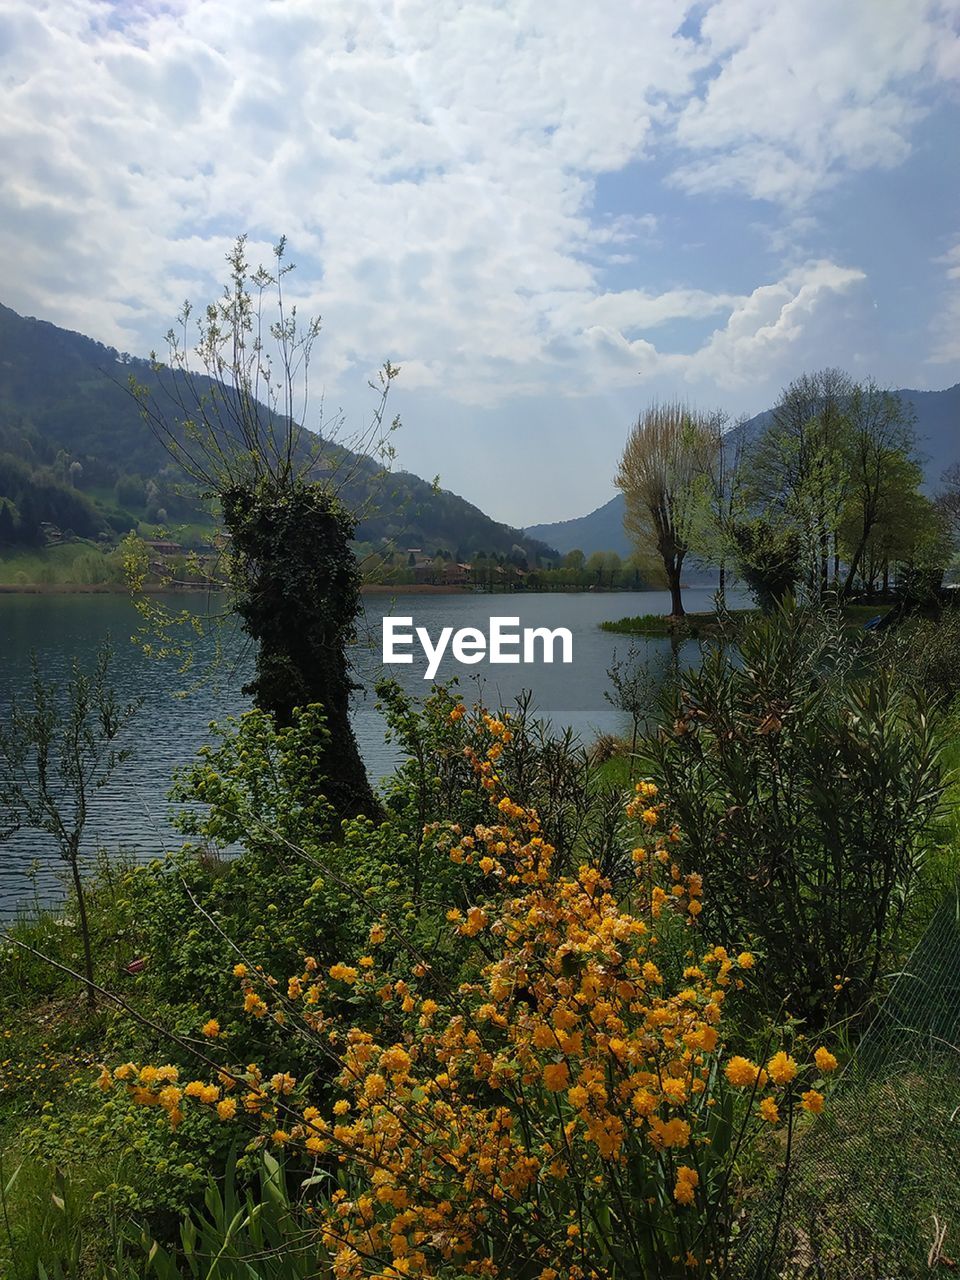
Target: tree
{"x": 768, "y": 558}
{"x": 721, "y": 501}
{"x": 661, "y": 475}
{"x": 799, "y": 468}
{"x": 240, "y": 433}
{"x": 949, "y": 497}
{"x": 594, "y": 568}
{"x": 880, "y": 436}
{"x": 54, "y": 754}
{"x": 8, "y": 528}
{"x": 910, "y": 533}
{"x": 635, "y": 686}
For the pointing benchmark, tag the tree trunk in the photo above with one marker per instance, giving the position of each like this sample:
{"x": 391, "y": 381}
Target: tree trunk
{"x": 298, "y": 593}
{"x": 676, "y": 597}
{"x": 74, "y": 860}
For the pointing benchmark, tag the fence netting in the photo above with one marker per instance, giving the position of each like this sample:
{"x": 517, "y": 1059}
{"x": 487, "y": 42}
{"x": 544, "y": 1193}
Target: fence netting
{"x": 874, "y": 1186}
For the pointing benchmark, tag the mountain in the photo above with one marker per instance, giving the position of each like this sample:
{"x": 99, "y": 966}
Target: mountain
{"x": 75, "y": 452}
{"x": 601, "y": 530}
{"x": 938, "y": 441}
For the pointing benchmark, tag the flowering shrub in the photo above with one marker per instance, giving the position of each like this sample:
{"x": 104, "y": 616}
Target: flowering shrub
{"x": 569, "y": 1109}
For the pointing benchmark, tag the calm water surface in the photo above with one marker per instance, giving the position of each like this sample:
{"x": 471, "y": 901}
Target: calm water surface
{"x": 132, "y": 813}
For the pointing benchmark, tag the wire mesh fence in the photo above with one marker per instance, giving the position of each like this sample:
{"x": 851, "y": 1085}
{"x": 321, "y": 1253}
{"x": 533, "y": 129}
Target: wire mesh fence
{"x": 874, "y": 1186}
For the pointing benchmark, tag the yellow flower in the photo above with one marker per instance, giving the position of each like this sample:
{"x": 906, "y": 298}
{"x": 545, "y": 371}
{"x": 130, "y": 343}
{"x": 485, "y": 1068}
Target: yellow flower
{"x": 395, "y": 1060}
{"x": 556, "y": 1076}
{"x": 475, "y": 922}
{"x": 374, "y": 1086}
{"x": 745, "y": 960}
{"x": 741, "y": 1072}
{"x": 683, "y": 1192}
{"x": 377, "y": 934}
{"x": 253, "y": 1004}
{"x": 769, "y": 1110}
{"x": 825, "y": 1061}
{"x": 343, "y": 973}
{"x": 239, "y": 970}
{"x": 227, "y": 1109}
{"x": 675, "y": 1133}
{"x": 782, "y": 1068}
{"x": 211, "y": 1029}
{"x": 812, "y": 1101}
{"x": 687, "y": 1181}
{"x": 650, "y": 817}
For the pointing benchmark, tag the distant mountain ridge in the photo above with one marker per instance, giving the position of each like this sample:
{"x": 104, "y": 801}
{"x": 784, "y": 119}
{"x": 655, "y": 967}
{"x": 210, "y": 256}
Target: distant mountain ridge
{"x": 67, "y": 420}
{"x": 938, "y": 438}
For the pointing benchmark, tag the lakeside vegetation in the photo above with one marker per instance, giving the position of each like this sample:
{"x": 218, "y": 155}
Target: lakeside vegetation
{"x": 527, "y": 1010}
{"x": 410, "y": 904}
{"x": 694, "y": 625}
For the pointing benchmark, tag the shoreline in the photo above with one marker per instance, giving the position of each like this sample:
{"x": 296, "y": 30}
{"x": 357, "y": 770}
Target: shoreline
{"x": 90, "y": 589}
{"x": 119, "y": 588}
{"x": 367, "y": 589}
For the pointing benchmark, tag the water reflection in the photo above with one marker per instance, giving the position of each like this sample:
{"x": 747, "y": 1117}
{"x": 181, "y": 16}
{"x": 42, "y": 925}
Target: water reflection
{"x": 132, "y": 814}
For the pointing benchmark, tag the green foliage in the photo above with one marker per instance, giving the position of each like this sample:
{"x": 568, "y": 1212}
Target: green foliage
{"x": 541, "y": 768}
{"x": 297, "y": 589}
{"x": 248, "y": 1233}
{"x": 34, "y": 496}
{"x": 62, "y": 391}
{"x": 768, "y": 559}
{"x": 803, "y": 777}
{"x": 55, "y": 753}
{"x": 928, "y": 651}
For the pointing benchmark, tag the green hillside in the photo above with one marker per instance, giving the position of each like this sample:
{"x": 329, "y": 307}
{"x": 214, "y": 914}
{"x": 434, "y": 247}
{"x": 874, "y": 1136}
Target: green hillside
{"x": 76, "y": 454}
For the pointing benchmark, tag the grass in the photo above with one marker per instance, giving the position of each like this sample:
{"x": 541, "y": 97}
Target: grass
{"x": 872, "y": 1176}
{"x": 74, "y": 563}
{"x": 655, "y": 624}
{"x": 693, "y": 625}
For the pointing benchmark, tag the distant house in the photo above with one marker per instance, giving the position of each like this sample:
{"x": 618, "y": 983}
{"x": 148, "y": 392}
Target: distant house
{"x": 51, "y": 534}
{"x": 456, "y": 575}
{"x": 430, "y": 573}
{"x": 161, "y": 548}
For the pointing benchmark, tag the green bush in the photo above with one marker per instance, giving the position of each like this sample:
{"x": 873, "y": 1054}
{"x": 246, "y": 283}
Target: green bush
{"x": 804, "y": 776}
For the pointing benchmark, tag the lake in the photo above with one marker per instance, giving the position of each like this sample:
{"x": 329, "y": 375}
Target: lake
{"x": 131, "y": 813}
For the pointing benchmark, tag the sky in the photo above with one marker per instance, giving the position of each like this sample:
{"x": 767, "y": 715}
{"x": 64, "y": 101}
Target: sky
{"x": 547, "y": 213}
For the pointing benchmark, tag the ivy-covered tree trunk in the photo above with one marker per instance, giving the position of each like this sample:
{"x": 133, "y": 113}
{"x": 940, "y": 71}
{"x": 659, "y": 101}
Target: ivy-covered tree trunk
{"x": 297, "y": 585}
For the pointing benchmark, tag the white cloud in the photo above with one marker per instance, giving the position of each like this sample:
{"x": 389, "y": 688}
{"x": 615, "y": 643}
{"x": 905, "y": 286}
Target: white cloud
{"x": 434, "y": 164}
{"x": 763, "y": 326}
{"x": 946, "y": 326}
{"x": 803, "y": 93}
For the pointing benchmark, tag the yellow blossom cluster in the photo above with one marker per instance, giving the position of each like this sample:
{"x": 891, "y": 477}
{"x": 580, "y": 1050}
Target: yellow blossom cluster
{"x": 567, "y": 1111}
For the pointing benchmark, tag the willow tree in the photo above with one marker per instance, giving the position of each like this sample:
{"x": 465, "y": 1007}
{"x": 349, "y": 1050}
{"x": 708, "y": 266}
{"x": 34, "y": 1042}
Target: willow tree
{"x": 664, "y": 470}
{"x": 234, "y": 413}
